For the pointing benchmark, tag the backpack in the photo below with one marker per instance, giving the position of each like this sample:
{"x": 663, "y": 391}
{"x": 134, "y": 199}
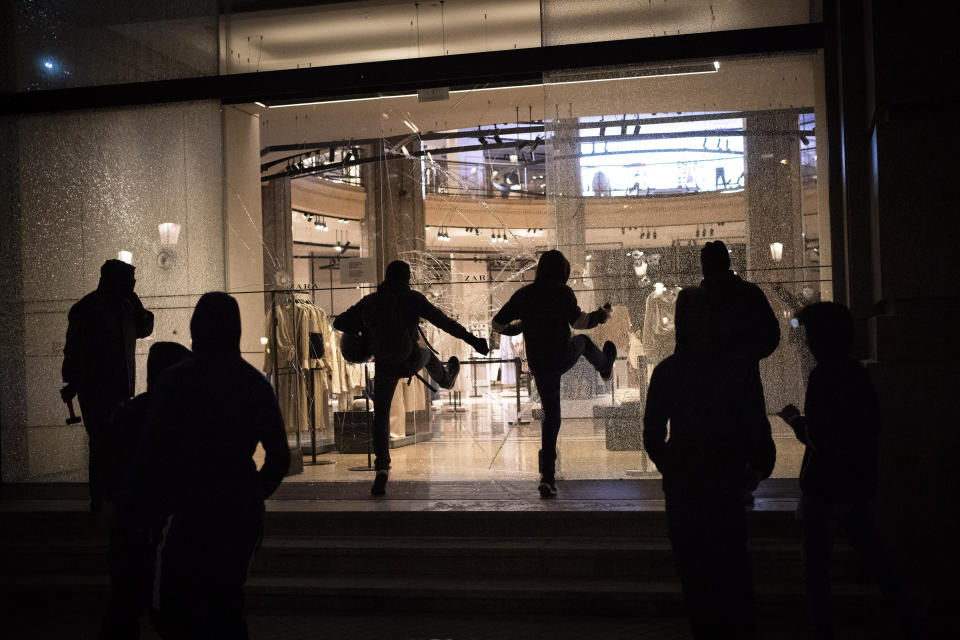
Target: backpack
{"x": 385, "y": 325}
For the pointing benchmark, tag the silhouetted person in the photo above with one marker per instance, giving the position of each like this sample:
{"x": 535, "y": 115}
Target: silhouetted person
{"x": 745, "y": 322}
{"x": 719, "y": 445}
{"x": 386, "y": 322}
{"x": 838, "y": 477}
{"x": 137, "y": 524}
{"x": 544, "y": 311}
{"x": 99, "y": 358}
{"x": 204, "y": 421}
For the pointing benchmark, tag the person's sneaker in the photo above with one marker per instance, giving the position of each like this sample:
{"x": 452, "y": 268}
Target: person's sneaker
{"x": 453, "y": 370}
{"x": 547, "y": 486}
{"x": 609, "y": 350}
{"x": 379, "y": 487}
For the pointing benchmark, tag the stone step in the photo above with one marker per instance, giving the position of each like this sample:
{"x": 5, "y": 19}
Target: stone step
{"x": 647, "y": 558}
{"x": 454, "y": 594}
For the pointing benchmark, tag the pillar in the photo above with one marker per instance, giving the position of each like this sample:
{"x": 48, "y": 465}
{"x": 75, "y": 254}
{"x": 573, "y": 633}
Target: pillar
{"x": 394, "y": 217}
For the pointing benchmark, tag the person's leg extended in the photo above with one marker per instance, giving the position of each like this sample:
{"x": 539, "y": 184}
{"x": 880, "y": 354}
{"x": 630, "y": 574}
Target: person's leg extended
{"x": 444, "y": 374}
{"x": 549, "y": 389}
{"x": 602, "y": 361}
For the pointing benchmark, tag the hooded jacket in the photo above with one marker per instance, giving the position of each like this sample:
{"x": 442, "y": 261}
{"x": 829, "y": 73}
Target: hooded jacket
{"x": 99, "y": 357}
{"x": 547, "y": 309}
{"x": 204, "y": 421}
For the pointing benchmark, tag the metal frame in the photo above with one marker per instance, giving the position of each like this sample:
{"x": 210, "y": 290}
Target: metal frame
{"x": 508, "y": 67}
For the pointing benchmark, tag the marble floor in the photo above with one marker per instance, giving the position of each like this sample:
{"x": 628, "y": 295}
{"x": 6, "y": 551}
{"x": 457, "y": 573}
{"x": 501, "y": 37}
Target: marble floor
{"x": 480, "y": 443}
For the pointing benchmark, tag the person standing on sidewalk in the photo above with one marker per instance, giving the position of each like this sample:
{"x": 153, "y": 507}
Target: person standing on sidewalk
{"x": 99, "y": 359}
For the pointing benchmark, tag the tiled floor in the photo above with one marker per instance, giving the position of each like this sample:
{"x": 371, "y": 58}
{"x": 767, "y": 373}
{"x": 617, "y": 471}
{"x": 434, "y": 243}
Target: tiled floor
{"x": 481, "y": 444}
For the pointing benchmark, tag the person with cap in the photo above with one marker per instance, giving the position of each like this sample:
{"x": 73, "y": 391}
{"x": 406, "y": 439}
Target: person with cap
{"x": 544, "y": 311}
{"x": 195, "y": 462}
{"x": 99, "y": 359}
{"x": 137, "y": 523}
{"x": 384, "y": 325}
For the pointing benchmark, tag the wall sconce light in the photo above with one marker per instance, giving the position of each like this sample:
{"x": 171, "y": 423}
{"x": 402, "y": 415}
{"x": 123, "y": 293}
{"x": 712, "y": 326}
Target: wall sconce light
{"x": 125, "y": 256}
{"x": 169, "y": 233}
{"x": 776, "y": 251}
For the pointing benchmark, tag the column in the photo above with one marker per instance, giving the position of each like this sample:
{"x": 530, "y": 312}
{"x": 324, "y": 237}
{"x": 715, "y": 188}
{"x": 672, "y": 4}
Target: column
{"x": 394, "y": 218}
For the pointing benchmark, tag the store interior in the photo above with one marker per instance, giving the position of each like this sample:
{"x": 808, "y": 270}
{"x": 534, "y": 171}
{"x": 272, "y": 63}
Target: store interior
{"x": 628, "y": 171}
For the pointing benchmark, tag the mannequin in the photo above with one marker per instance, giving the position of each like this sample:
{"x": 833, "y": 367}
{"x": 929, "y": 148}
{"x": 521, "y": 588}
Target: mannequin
{"x": 659, "y": 332}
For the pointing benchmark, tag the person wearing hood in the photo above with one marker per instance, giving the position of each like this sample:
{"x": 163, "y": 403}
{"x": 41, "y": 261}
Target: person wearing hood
{"x": 385, "y": 324}
{"x": 136, "y": 527}
{"x": 840, "y": 427}
{"x": 99, "y": 359}
{"x": 205, "y": 418}
{"x": 544, "y": 311}
{"x": 719, "y": 447}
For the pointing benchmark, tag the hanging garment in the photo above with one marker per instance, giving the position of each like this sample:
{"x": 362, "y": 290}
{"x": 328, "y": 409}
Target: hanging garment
{"x": 509, "y": 370}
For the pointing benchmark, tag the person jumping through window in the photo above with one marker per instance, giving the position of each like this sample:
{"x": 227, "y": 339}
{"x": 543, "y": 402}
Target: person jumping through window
{"x": 386, "y": 324}
{"x": 544, "y": 311}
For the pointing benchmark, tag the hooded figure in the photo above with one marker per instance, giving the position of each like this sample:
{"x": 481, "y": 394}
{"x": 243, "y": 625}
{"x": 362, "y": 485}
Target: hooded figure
{"x": 719, "y": 447}
{"x": 205, "y": 419}
{"x": 385, "y": 324}
{"x": 840, "y": 428}
{"x": 137, "y": 527}
{"x": 544, "y": 311}
{"x": 99, "y": 357}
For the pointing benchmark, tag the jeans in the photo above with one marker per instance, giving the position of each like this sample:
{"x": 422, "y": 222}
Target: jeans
{"x": 821, "y": 523}
{"x": 385, "y": 384}
{"x": 709, "y": 540}
{"x": 548, "y": 386}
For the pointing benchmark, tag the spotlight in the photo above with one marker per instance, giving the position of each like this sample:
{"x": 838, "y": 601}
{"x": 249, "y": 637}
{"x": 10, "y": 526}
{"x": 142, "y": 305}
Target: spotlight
{"x": 339, "y": 247}
{"x": 804, "y": 139}
{"x": 333, "y": 152}
{"x": 636, "y": 130}
{"x": 536, "y": 143}
{"x": 497, "y": 138}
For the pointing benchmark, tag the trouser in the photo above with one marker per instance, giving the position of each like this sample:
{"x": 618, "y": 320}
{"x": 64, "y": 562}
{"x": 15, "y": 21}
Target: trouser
{"x": 548, "y": 386}
{"x": 203, "y": 565}
{"x": 385, "y": 385}
{"x": 709, "y": 541}
{"x": 97, "y": 414}
{"x": 131, "y": 557}
{"x": 821, "y": 523}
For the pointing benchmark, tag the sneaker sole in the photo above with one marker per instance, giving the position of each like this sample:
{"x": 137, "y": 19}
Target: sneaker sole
{"x": 611, "y": 355}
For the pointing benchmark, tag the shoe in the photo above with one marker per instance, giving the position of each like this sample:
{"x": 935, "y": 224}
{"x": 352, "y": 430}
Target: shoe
{"x": 609, "y": 350}
{"x": 379, "y": 487}
{"x": 547, "y": 486}
{"x": 453, "y": 370}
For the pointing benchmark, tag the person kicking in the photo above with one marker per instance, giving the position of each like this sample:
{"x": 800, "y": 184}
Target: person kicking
{"x": 384, "y": 324}
{"x": 544, "y": 311}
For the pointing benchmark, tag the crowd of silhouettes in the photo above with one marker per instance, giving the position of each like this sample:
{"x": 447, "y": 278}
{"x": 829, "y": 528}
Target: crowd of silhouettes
{"x": 176, "y": 462}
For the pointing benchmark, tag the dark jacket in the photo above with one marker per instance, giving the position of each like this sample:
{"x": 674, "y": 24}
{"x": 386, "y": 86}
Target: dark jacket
{"x": 204, "y": 420}
{"x": 718, "y": 425}
{"x": 746, "y": 323}
{"x": 840, "y": 427}
{"x": 99, "y": 357}
{"x": 415, "y": 306}
{"x": 547, "y": 309}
